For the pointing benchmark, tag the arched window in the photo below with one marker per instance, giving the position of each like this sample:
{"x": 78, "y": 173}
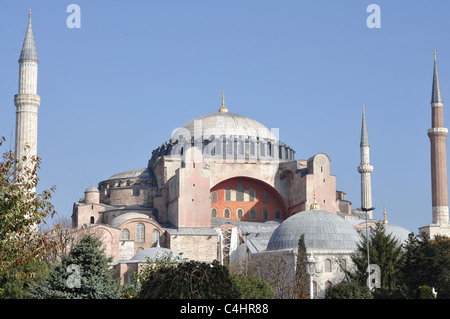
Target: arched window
{"x": 140, "y": 233}
{"x": 214, "y": 197}
{"x": 92, "y": 220}
{"x": 214, "y": 212}
{"x": 327, "y": 265}
{"x": 265, "y": 198}
{"x": 278, "y": 214}
{"x": 253, "y": 214}
{"x": 343, "y": 265}
{"x": 239, "y": 192}
{"x": 226, "y": 213}
{"x": 227, "y": 194}
{"x": 251, "y": 193}
{"x": 328, "y": 286}
{"x": 240, "y": 213}
{"x": 125, "y": 234}
{"x": 155, "y": 236}
{"x": 265, "y": 214}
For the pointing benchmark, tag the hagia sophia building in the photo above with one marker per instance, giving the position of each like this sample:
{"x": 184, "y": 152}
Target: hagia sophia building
{"x": 224, "y": 187}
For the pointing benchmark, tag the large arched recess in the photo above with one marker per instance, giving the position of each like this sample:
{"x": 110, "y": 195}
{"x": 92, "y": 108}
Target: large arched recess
{"x": 267, "y": 203}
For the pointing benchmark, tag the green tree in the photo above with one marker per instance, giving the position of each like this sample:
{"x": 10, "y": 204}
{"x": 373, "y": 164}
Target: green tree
{"x": 15, "y": 282}
{"x": 83, "y": 274}
{"x": 352, "y": 290}
{"x": 301, "y": 276}
{"x": 165, "y": 279}
{"x": 427, "y": 263}
{"x": 384, "y": 251}
{"x": 22, "y": 211}
{"x": 252, "y": 287}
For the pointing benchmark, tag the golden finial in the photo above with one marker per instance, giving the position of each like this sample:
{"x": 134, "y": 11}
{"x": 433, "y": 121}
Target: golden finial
{"x": 29, "y": 13}
{"x": 315, "y": 204}
{"x": 223, "y": 109}
{"x": 384, "y": 214}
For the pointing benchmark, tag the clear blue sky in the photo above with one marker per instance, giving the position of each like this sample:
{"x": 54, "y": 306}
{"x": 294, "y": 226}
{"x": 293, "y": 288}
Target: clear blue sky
{"x": 114, "y": 89}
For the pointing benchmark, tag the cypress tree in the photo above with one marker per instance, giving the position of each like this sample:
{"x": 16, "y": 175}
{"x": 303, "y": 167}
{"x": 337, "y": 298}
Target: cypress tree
{"x": 301, "y": 276}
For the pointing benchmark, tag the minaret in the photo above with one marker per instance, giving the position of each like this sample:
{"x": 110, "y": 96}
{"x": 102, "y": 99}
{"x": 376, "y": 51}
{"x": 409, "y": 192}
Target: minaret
{"x": 438, "y": 135}
{"x": 27, "y": 101}
{"x": 365, "y": 169}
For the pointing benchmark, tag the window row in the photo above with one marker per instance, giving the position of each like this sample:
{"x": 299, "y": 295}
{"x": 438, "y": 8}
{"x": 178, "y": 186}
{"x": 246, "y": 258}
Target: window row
{"x": 240, "y": 213}
{"x": 328, "y": 265}
{"x": 239, "y": 194}
{"x": 140, "y": 234}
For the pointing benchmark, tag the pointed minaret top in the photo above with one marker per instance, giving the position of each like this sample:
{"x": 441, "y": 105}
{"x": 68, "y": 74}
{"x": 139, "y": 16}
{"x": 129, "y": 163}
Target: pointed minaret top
{"x": 436, "y": 91}
{"x": 223, "y": 109}
{"x": 29, "y": 46}
{"x": 364, "y": 135}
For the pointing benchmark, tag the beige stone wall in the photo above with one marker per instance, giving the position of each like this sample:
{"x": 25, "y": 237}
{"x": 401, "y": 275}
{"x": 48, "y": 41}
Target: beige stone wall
{"x": 192, "y": 247}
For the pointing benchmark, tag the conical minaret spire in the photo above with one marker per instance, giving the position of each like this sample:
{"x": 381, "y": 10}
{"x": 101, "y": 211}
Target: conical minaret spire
{"x": 27, "y": 101}
{"x": 365, "y": 169}
{"x": 364, "y": 135}
{"x": 29, "y": 52}
{"x": 436, "y": 96}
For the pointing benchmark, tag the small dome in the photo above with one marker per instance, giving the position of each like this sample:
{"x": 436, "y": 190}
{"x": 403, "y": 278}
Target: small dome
{"x": 91, "y": 189}
{"x": 397, "y": 232}
{"x": 323, "y": 230}
{"x": 155, "y": 253}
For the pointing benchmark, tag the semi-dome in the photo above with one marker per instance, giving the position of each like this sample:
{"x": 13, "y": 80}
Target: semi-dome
{"x": 119, "y": 220}
{"x": 322, "y": 229}
{"x": 130, "y": 174}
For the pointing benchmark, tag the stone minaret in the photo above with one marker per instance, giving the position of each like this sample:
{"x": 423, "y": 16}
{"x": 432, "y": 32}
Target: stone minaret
{"x": 438, "y": 135}
{"x": 365, "y": 169}
{"x": 27, "y": 101}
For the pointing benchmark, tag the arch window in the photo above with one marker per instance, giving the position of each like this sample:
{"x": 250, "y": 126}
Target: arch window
{"x": 214, "y": 197}
{"x": 265, "y": 214}
{"x": 265, "y": 198}
{"x": 226, "y": 213}
{"x": 214, "y": 212}
{"x": 155, "y": 236}
{"x": 125, "y": 234}
{"x": 327, "y": 265}
{"x": 328, "y": 286}
{"x": 239, "y": 192}
{"x": 227, "y": 194}
{"x": 140, "y": 233}
{"x": 278, "y": 214}
{"x": 253, "y": 214}
{"x": 92, "y": 220}
{"x": 251, "y": 193}
{"x": 240, "y": 213}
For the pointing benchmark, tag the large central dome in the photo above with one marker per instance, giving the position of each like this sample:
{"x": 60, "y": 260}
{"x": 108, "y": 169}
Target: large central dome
{"x": 224, "y": 124}
{"x": 225, "y": 136}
